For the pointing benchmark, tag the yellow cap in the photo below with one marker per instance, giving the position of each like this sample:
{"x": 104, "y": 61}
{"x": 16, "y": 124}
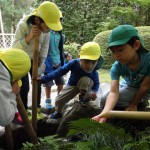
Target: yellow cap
{"x": 17, "y": 61}
{"x": 50, "y": 13}
{"x": 90, "y": 50}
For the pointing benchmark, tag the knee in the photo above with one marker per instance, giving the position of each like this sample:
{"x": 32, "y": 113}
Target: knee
{"x": 85, "y": 83}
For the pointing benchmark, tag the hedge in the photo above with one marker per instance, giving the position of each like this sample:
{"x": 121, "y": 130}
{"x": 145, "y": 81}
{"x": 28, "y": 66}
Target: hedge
{"x": 102, "y": 38}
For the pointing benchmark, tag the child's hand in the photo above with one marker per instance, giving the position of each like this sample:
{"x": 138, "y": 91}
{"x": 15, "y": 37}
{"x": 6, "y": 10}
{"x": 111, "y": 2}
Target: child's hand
{"x": 34, "y": 31}
{"x": 39, "y": 79}
{"x": 93, "y": 95}
{"x": 15, "y": 87}
{"x": 99, "y": 119}
{"x": 131, "y": 107}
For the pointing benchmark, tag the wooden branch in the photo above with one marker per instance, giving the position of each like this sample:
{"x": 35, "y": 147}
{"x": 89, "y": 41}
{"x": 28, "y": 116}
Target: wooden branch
{"x": 26, "y": 121}
{"x": 9, "y": 138}
{"x": 34, "y": 83}
{"x": 139, "y": 115}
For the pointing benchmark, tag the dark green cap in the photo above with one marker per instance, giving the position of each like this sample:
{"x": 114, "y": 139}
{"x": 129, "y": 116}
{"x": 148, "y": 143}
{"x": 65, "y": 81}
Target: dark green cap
{"x": 122, "y": 34}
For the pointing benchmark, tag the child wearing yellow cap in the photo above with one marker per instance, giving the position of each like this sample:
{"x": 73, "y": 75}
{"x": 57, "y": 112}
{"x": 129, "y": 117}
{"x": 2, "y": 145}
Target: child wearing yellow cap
{"x": 38, "y": 23}
{"x": 14, "y": 64}
{"x": 133, "y": 65}
{"x": 83, "y": 80}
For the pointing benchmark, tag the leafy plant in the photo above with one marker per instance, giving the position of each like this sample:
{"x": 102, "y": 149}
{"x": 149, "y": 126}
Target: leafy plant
{"x": 91, "y": 135}
{"x": 101, "y": 135}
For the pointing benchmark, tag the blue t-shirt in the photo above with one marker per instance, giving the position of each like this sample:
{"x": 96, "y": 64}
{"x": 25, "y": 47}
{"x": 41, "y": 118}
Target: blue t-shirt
{"x": 54, "y": 51}
{"x": 76, "y": 74}
{"x": 132, "y": 78}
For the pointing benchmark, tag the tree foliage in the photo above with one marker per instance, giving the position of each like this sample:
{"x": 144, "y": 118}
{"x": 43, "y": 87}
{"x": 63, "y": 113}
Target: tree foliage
{"x": 83, "y": 19}
{"x": 12, "y": 11}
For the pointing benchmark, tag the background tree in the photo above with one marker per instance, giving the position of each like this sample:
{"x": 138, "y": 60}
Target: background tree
{"x": 83, "y": 19}
{"x": 12, "y": 11}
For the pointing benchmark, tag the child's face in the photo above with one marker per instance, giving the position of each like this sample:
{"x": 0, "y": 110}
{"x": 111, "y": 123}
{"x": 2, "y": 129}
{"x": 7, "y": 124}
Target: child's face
{"x": 124, "y": 53}
{"x": 88, "y": 65}
{"x": 43, "y": 27}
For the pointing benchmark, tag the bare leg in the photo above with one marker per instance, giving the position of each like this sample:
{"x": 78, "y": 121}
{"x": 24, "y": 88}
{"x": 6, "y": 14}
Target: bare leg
{"x": 48, "y": 92}
{"x": 48, "y": 97}
{"x": 59, "y": 88}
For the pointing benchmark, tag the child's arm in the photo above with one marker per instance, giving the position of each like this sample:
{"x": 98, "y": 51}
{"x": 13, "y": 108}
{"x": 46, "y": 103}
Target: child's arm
{"x": 144, "y": 89}
{"x": 8, "y": 104}
{"x": 110, "y": 101}
{"x": 15, "y": 87}
{"x": 55, "y": 74}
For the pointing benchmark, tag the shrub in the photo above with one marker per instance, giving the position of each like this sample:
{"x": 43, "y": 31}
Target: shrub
{"x": 102, "y": 38}
{"x": 72, "y": 49}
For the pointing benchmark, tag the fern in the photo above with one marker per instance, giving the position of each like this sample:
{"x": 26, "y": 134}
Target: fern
{"x": 102, "y": 134}
{"x": 93, "y": 136}
{"x": 46, "y": 143}
{"x": 142, "y": 144}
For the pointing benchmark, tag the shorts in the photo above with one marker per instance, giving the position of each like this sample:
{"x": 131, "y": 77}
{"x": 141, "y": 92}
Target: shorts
{"x": 58, "y": 81}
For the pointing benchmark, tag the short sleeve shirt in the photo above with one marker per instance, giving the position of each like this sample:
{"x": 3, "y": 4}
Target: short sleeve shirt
{"x": 132, "y": 78}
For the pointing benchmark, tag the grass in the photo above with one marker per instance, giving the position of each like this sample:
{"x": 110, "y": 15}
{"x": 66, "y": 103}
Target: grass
{"x": 104, "y": 76}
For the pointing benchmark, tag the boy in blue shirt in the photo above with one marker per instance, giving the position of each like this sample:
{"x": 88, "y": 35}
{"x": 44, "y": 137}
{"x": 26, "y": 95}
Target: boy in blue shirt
{"x": 54, "y": 60}
{"x": 133, "y": 64}
{"x": 83, "y": 78}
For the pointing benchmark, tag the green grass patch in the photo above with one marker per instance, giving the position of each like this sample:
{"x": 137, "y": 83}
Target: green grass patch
{"x": 104, "y": 76}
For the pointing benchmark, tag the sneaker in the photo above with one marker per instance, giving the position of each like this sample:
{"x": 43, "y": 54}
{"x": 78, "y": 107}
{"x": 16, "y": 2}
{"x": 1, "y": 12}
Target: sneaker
{"x": 48, "y": 104}
{"x": 55, "y": 115}
{"x": 18, "y": 118}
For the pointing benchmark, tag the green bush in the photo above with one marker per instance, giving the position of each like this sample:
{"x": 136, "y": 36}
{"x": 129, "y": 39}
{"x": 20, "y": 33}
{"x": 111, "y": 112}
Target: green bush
{"x": 72, "y": 49}
{"x": 102, "y": 38}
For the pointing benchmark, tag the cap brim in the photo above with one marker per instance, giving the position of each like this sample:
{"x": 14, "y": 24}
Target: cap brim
{"x": 124, "y": 41}
{"x": 89, "y": 57}
{"x": 55, "y": 26}
{"x": 119, "y": 42}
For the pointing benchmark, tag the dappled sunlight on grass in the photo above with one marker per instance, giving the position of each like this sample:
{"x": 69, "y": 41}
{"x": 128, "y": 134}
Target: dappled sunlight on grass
{"x": 104, "y": 76}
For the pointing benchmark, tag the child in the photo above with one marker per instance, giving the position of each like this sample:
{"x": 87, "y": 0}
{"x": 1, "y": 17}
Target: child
{"x": 54, "y": 60}
{"x": 38, "y": 23}
{"x": 133, "y": 64}
{"x": 14, "y": 64}
{"x": 84, "y": 77}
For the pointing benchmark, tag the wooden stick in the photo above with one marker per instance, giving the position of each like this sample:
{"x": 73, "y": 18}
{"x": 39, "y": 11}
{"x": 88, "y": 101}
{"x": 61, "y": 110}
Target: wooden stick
{"x": 26, "y": 121}
{"x": 34, "y": 83}
{"x": 139, "y": 115}
{"x": 9, "y": 138}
